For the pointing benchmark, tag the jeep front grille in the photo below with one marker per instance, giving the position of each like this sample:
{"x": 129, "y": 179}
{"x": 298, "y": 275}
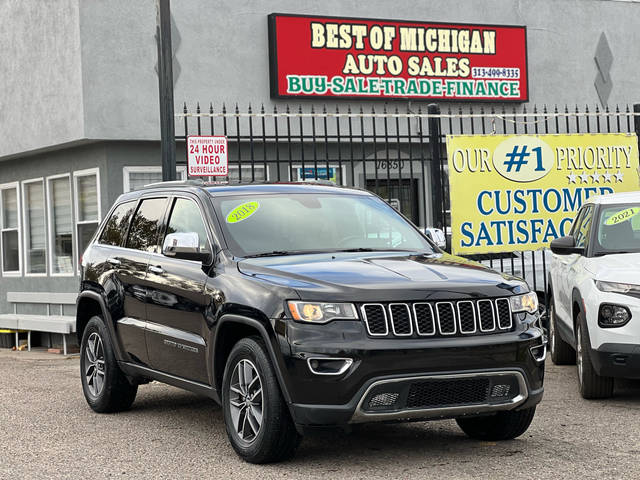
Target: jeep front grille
{"x": 423, "y": 319}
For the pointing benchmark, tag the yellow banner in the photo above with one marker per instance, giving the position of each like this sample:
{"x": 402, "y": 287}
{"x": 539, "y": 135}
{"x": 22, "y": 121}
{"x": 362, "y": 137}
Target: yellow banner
{"x": 519, "y": 192}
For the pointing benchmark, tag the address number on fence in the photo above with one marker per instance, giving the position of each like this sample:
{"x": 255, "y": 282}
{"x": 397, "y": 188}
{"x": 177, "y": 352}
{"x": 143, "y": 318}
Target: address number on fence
{"x": 207, "y": 156}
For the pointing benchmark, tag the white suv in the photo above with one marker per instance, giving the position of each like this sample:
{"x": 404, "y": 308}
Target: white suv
{"x": 595, "y": 287}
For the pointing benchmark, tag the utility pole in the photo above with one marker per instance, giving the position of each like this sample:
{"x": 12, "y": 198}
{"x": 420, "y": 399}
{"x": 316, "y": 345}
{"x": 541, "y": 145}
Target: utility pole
{"x": 165, "y": 90}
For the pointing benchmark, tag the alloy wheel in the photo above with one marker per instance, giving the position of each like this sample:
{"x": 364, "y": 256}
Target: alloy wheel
{"x": 94, "y": 371}
{"x": 245, "y": 400}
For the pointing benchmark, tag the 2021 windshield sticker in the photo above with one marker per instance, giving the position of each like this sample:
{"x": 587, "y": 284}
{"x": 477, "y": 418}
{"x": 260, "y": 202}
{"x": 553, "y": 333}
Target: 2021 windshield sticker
{"x": 242, "y": 212}
{"x": 622, "y": 216}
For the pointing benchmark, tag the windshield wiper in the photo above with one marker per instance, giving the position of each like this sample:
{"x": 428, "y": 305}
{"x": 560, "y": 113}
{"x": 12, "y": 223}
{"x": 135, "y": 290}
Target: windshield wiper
{"x": 284, "y": 253}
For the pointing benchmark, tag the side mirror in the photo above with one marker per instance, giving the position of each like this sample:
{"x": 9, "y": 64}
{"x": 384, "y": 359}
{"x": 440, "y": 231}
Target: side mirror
{"x": 437, "y": 236}
{"x": 565, "y": 246}
{"x": 185, "y": 246}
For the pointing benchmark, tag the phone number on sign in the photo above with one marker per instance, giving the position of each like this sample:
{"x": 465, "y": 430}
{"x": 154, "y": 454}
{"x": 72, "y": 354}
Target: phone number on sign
{"x": 495, "y": 72}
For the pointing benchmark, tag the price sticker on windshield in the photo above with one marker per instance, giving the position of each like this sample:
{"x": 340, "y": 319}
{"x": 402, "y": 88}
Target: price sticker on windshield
{"x": 622, "y": 216}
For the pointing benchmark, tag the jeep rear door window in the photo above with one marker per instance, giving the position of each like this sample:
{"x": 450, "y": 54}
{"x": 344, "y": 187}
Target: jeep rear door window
{"x": 143, "y": 233}
{"x": 618, "y": 229}
{"x": 298, "y": 223}
{"x": 116, "y": 227}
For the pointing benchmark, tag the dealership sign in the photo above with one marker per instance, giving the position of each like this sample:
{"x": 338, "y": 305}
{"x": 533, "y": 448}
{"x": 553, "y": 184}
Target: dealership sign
{"x": 519, "y": 192}
{"x": 207, "y": 156}
{"x": 369, "y": 58}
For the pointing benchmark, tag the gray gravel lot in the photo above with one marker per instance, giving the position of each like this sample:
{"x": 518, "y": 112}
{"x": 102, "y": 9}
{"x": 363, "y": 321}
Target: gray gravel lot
{"x": 47, "y": 430}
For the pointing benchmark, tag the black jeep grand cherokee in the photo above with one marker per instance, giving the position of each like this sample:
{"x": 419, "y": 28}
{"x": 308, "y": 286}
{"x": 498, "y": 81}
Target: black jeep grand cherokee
{"x": 297, "y": 306}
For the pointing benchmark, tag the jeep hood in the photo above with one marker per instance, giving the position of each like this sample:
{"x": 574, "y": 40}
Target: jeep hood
{"x": 382, "y": 276}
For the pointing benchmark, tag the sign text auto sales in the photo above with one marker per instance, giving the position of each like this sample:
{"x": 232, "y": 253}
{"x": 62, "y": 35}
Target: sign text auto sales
{"x": 343, "y": 57}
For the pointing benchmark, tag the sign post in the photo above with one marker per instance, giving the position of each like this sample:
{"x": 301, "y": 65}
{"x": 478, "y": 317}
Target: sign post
{"x": 207, "y": 156}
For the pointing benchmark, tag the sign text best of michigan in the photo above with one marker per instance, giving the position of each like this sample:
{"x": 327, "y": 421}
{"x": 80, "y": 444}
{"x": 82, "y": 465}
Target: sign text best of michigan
{"x": 519, "y": 192}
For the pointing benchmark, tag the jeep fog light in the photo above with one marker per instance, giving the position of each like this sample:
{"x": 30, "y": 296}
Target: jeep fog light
{"x": 613, "y": 315}
{"x": 524, "y": 303}
{"x": 314, "y": 312}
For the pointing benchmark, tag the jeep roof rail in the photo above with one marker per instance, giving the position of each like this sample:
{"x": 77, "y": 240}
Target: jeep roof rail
{"x": 196, "y": 182}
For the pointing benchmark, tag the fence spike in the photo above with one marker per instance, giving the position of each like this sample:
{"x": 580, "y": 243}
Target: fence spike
{"x": 198, "y": 107}
{"x": 184, "y": 109}
{"x": 324, "y": 108}
{"x": 211, "y": 108}
{"x": 249, "y": 109}
{"x": 224, "y": 108}
{"x": 262, "y": 108}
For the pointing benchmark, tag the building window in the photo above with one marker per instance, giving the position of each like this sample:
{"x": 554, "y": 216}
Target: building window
{"x": 134, "y": 178}
{"x": 259, "y": 173}
{"x": 10, "y": 229}
{"x": 87, "y": 189}
{"x": 34, "y": 227}
{"x": 335, "y": 173}
{"x": 60, "y": 224}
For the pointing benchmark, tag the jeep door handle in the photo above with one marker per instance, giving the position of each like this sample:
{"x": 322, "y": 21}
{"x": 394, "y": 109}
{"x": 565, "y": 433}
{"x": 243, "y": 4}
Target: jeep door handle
{"x": 157, "y": 269}
{"x": 114, "y": 261}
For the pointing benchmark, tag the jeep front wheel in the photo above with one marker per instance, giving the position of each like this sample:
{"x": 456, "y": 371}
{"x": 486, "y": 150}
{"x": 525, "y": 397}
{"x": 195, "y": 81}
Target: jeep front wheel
{"x": 256, "y": 416}
{"x": 501, "y": 426}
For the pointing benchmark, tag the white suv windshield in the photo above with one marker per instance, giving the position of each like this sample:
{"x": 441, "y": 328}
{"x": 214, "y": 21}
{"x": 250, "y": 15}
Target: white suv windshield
{"x": 299, "y": 223}
{"x": 618, "y": 229}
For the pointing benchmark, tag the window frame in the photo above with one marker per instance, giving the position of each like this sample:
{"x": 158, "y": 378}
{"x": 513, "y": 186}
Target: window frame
{"x": 8, "y": 186}
{"x": 321, "y": 164}
{"x": 128, "y": 170}
{"x": 50, "y": 227}
{"x": 85, "y": 173}
{"x": 24, "y": 223}
{"x": 211, "y": 237}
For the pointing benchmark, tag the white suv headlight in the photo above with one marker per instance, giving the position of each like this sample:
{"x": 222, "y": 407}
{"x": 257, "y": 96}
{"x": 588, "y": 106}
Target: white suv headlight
{"x": 315, "y": 312}
{"x": 524, "y": 303}
{"x": 624, "y": 288}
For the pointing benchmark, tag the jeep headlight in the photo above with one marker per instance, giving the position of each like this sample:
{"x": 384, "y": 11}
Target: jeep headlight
{"x": 524, "y": 303}
{"x": 315, "y": 312}
{"x": 624, "y": 288}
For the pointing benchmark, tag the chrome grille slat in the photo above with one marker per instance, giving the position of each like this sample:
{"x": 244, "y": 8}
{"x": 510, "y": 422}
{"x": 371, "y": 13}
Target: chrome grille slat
{"x": 484, "y": 315}
{"x": 401, "y": 323}
{"x": 466, "y": 317}
{"x": 371, "y": 316}
{"x": 503, "y": 311}
{"x": 425, "y": 320}
{"x": 444, "y": 318}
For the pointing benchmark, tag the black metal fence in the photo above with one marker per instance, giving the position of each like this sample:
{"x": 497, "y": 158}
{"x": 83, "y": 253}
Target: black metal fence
{"x": 400, "y": 154}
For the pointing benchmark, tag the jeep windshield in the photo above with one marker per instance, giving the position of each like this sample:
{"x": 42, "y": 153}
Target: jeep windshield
{"x": 618, "y": 229}
{"x": 299, "y": 223}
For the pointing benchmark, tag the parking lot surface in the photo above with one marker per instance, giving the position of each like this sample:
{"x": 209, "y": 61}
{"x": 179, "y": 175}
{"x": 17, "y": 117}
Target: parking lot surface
{"x": 47, "y": 430}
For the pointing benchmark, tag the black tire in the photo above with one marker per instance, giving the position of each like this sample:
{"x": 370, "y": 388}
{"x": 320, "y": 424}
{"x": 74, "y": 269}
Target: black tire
{"x": 277, "y": 438}
{"x": 591, "y": 384}
{"x": 113, "y": 393}
{"x": 561, "y": 351}
{"x": 501, "y": 426}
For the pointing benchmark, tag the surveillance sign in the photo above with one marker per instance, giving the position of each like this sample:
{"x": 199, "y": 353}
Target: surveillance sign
{"x": 207, "y": 156}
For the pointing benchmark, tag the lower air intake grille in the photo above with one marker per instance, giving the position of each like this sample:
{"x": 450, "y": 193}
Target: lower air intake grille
{"x": 445, "y": 393}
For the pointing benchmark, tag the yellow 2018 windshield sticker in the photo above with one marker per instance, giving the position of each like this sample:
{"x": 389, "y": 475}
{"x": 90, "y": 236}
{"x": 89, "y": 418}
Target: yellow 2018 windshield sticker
{"x": 242, "y": 212}
{"x": 622, "y": 216}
